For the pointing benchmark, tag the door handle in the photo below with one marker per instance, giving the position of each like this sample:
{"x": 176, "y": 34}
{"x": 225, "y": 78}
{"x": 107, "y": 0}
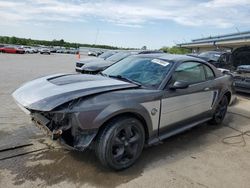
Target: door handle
{"x": 206, "y": 89}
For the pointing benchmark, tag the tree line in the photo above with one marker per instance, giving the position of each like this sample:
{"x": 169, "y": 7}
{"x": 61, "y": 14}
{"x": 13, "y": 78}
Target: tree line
{"x": 32, "y": 42}
{"x": 176, "y": 50}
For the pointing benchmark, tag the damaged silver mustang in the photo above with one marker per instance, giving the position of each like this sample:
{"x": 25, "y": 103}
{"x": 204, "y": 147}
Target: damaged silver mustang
{"x": 138, "y": 101}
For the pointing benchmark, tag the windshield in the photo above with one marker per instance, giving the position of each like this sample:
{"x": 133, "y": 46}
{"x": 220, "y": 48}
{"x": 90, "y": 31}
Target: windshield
{"x": 118, "y": 56}
{"x": 107, "y": 54}
{"x": 211, "y": 55}
{"x": 148, "y": 72}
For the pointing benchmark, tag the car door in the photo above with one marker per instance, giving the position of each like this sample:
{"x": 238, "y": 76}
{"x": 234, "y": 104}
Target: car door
{"x": 183, "y": 104}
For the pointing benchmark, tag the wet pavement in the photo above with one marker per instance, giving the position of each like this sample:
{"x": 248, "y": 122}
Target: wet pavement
{"x": 205, "y": 156}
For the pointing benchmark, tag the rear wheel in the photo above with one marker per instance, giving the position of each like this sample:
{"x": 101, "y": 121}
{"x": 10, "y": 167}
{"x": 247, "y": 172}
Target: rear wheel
{"x": 120, "y": 143}
{"x": 220, "y": 111}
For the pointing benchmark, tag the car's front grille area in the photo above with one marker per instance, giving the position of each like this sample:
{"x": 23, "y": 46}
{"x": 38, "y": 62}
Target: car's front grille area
{"x": 247, "y": 80}
{"x": 79, "y": 64}
{"x": 90, "y": 72}
{"x": 241, "y": 79}
{"x": 242, "y": 84}
{"x": 237, "y": 78}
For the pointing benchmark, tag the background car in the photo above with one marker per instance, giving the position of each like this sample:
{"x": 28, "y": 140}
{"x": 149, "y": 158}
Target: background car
{"x": 220, "y": 59}
{"x": 104, "y": 56}
{"x": 12, "y": 49}
{"x": 242, "y": 78}
{"x": 29, "y": 50}
{"x": 44, "y": 51}
{"x": 241, "y": 64}
{"x": 107, "y": 54}
{"x": 236, "y": 64}
{"x": 94, "y": 67}
{"x": 138, "y": 101}
{"x": 95, "y": 53}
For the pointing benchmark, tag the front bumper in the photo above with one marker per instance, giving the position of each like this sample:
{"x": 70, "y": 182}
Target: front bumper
{"x": 68, "y": 135}
{"x": 242, "y": 82}
{"x": 242, "y": 85}
{"x": 86, "y": 71}
{"x": 242, "y": 89}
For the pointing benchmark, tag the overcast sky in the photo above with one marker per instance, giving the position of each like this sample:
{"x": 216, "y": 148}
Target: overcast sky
{"x": 126, "y": 23}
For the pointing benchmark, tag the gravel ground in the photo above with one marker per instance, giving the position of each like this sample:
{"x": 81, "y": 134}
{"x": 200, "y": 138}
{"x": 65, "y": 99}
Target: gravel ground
{"x": 201, "y": 157}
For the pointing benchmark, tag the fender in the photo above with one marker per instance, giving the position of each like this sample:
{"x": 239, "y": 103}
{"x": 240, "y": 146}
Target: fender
{"x": 121, "y": 108}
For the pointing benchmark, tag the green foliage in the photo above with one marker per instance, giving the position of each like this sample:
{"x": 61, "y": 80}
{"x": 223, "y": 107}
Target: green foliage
{"x": 31, "y": 42}
{"x": 62, "y": 43}
{"x": 176, "y": 50}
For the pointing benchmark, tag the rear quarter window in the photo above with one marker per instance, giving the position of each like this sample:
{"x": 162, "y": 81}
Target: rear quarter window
{"x": 209, "y": 72}
{"x": 191, "y": 72}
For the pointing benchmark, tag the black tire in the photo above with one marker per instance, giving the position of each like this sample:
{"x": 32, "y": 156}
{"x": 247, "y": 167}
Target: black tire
{"x": 220, "y": 111}
{"x": 120, "y": 143}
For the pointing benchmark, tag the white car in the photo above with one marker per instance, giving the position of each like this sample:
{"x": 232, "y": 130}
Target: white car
{"x": 44, "y": 51}
{"x": 29, "y": 50}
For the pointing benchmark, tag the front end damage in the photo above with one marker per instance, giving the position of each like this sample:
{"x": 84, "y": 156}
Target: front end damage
{"x": 49, "y": 100}
{"x": 242, "y": 78}
{"x": 64, "y": 127}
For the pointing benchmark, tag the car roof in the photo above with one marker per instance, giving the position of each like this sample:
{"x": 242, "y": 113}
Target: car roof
{"x": 171, "y": 57}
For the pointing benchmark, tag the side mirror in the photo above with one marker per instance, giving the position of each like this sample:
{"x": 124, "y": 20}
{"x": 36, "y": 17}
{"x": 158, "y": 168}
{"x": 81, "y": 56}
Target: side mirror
{"x": 179, "y": 85}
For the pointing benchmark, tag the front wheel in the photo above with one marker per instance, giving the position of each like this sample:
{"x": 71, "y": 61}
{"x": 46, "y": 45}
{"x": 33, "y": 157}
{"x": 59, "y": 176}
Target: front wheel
{"x": 220, "y": 111}
{"x": 120, "y": 143}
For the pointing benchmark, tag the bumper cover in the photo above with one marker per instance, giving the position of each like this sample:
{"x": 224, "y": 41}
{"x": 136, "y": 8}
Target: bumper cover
{"x": 79, "y": 141}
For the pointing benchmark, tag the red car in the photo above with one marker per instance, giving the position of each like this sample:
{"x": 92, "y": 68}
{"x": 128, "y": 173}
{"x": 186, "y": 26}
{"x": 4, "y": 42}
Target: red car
{"x": 13, "y": 50}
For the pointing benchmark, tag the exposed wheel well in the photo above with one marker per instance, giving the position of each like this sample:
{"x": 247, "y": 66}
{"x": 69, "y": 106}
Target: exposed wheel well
{"x": 128, "y": 114}
{"x": 228, "y": 95}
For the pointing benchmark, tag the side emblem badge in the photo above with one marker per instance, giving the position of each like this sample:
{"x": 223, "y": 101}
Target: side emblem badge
{"x": 154, "y": 111}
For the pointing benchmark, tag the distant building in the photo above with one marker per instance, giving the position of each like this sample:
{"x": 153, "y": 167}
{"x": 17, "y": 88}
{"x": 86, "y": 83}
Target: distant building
{"x": 226, "y": 42}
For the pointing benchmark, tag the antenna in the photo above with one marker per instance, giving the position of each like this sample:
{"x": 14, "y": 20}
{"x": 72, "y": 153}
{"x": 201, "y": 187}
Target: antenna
{"x": 237, "y": 29}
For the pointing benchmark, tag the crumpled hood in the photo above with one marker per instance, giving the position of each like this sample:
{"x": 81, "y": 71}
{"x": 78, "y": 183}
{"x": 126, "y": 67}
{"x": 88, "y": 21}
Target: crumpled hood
{"x": 47, "y": 93}
{"x": 97, "y": 65}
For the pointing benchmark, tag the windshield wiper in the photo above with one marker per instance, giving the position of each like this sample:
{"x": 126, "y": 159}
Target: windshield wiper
{"x": 120, "y": 77}
{"x": 103, "y": 74}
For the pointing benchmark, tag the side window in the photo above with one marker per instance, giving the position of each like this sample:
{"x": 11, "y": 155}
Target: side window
{"x": 209, "y": 72}
{"x": 191, "y": 72}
